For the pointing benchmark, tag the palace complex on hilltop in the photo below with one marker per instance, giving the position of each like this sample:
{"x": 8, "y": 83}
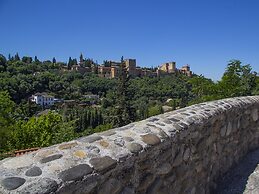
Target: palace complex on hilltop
{"x": 110, "y": 69}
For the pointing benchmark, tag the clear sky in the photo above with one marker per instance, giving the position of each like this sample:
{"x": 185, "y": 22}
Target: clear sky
{"x": 205, "y": 34}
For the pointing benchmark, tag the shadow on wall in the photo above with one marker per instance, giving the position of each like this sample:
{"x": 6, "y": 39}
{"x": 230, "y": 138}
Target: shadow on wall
{"x": 235, "y": 180}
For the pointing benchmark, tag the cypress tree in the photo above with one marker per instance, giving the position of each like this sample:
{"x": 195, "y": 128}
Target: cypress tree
{"x": 125, "y": 112}
{"x": 100, "y": 120}
{"x": 16, "y": 57}
{"x": 79, "y": 126}
{"x": 70, "y": 63}
{"x": 74, "y": 62}
{"x": 91, "y": 118}
{"x": 95, "y": 118}
{"x": 81, "y": 58}
{"x": 54, "y": 60}
{"x": 36, "y": 59}
{"x": 87, "y": 118}
{"x": 84, "y": 123}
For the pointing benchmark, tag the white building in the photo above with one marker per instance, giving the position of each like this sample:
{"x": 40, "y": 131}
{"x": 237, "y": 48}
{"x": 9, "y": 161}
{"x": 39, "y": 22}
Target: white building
{"x": 91, "y": 96}
{"x": 42, "y": 99}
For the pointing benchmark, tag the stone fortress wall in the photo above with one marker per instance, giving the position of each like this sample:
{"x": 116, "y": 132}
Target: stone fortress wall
{"x": 183, "y": 151}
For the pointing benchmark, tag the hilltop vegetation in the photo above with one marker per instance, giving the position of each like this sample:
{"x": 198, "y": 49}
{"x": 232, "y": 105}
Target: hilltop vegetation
{"x": 121, "y": 101}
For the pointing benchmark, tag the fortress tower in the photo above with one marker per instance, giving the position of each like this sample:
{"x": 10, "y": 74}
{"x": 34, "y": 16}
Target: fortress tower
{"x": 131, "y": 66}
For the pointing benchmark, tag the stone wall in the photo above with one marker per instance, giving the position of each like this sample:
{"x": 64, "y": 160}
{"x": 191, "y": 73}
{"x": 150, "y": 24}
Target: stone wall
{"x": 184, "y": 151}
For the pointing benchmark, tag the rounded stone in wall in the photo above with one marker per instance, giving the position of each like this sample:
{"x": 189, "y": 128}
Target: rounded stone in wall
{"x": 104, "y": 143}
{"x": 165, "y": 168}
{"x": 51, "y": 158}
{"x": 76, "y": 172}
{"x": 67, "y": 145}
{"x": 151, "y": 139}
{"x": 134, "y": 147}
{"x": 12, "y": 183}
{"x": 34, "y": 171}
{"x": 80, "y": 154}
{"x": 128, "y": 139}
{"x": 103, "y": 164}
{"x": 42, "y": 185}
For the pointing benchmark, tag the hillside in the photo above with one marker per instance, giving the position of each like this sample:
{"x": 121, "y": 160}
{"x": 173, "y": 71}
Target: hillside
{"x": 87, "y": 103}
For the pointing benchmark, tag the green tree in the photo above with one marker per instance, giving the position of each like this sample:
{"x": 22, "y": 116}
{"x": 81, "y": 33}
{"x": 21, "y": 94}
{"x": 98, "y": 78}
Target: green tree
{"x": 256, "y": 89}
{"x": 107, "y": 63}
{"x": 26, "y": 59}
{"x": 125, "y": 111}
{"x": 70, "y": 63}
{"x": 74, "y": 62}
{"x": 36, "y": 60}
{"x": 16, "y": 57}
{"x": 9, "y": 57}
{"x": 203, "y": 89}
{"x": 89, "y": 63}
{"x": 6, "y": 109}
{"x": 81, "y": 58}
{"x": 40, "y": 132}
{"x": 3, "y": 63}
{"x": 141, "y": 105}
{"x": 54, "y": 60}
{"x": 6, "y": 119}
{"x": 238, "y": 80}
{"x": 155, "y": 110}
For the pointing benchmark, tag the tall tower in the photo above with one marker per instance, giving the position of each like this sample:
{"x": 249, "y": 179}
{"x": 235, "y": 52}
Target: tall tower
{"x": 171, "y": 67}
{"x": 131, "y": 66}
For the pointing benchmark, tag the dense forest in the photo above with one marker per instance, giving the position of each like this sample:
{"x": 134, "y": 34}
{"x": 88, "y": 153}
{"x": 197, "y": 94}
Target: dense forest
{"x": 24, "y": 124}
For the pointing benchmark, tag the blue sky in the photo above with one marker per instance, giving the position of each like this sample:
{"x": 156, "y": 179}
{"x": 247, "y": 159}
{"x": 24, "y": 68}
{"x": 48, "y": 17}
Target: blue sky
{"x": 205, "y": 34}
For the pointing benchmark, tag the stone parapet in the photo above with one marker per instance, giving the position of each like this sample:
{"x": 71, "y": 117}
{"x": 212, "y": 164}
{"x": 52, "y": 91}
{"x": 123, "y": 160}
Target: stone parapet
{"x": 183, "y": 151}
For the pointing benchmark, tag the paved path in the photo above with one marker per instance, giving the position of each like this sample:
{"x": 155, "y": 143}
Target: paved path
{"x": 234, "y": 182}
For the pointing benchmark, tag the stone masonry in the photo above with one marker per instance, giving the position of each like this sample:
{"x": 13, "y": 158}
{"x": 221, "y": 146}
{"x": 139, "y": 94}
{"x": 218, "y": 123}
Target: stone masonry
{"x": 183, "y": 151}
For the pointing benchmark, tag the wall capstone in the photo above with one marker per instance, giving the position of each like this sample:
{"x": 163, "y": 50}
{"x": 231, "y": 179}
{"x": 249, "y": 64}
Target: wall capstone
{"x": 183, "y": 151}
